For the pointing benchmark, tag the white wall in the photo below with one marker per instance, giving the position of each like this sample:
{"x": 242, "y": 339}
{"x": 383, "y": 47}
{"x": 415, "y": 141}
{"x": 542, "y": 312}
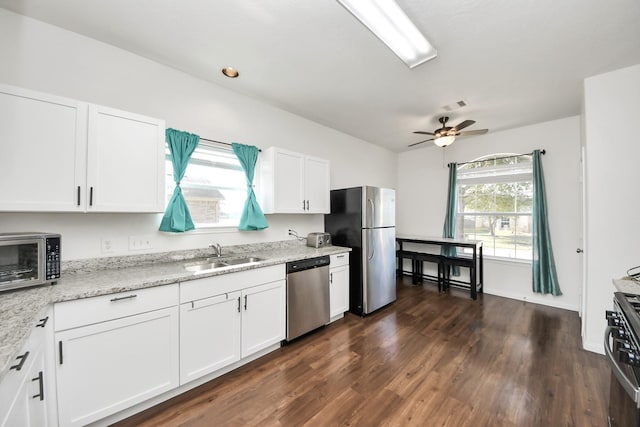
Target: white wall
{"x": 42, "y": 57}
{"x": 422, "y": 193}
{"x": 612, "y": 144}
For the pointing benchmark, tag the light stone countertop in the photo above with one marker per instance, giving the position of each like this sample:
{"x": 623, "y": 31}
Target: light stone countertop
{"x": 626, "y": 285}
{"x": 21, "y": 310}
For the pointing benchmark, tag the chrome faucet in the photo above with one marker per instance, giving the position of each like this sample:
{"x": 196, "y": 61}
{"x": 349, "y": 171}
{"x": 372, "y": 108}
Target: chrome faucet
{"x": 217, "y": 249}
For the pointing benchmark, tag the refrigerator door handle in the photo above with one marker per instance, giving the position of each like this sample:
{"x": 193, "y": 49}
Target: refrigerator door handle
{"x": 370, "y": 245}
{"x": 371, "y": 217}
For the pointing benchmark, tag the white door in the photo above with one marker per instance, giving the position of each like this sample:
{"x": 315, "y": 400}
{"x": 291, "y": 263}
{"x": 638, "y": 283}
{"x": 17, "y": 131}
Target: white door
{"x": 582, "y": 242}
{"x": 317, "y": 185}
{"x": 338, "y": 290}
{"x": 42, "y": 151}
{"x": 109, "y": 366}
{"x": 209, "y": 335}
{"x": 263, "y": 316}
{"x": 126, "y": 164}
{"x": 288, "y": 185}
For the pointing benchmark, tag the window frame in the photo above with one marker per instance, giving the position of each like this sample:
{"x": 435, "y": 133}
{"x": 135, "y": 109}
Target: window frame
{"x": 505, "y": 173}
{"x": 213, "y": 149}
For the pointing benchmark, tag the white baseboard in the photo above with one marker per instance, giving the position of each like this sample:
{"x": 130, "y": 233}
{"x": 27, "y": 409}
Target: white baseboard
{"x": 532, "y": 299}
{"x": 595, "y": 347}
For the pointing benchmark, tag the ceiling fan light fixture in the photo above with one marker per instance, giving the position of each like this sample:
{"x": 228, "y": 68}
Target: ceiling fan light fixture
{"x": 443, "y": 141}
{"x": 393, "y": 27}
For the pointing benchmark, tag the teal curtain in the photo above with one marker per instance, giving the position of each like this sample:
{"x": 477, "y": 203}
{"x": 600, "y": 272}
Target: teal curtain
{"x": 545, "y": 278}
{"x": 177, "y": 217}
{"x": 449, "y": 229}
{"x": 252, "y": 216}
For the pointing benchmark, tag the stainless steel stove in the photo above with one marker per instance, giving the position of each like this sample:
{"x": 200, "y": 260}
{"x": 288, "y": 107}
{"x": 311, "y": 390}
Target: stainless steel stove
{"x": 622, "y": 347}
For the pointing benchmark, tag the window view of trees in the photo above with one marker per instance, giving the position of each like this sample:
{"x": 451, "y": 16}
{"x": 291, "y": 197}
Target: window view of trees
{"x": 494, "y": 205}
{"x": 214, "y": 186}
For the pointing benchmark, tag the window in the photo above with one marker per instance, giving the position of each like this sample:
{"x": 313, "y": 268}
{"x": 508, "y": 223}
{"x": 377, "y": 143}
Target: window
{"x": 214, "y": 186}
{"x": 495, "y": 197}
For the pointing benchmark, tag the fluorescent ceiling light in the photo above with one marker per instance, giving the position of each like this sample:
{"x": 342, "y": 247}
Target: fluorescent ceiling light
{"x": 389, "y": 23}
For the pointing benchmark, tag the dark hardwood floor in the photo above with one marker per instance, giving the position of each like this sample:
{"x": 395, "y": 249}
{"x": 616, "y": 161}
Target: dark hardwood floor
{"x": 429, "y": 359}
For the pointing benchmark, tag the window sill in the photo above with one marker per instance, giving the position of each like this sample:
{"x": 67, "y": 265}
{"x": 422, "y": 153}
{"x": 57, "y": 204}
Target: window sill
{"x": 502, "y": 260}
{"x": 209, "y": 230}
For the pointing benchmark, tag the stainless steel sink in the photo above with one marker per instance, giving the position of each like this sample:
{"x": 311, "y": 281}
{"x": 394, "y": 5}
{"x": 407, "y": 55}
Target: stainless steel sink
{"x": 205, "y": 266}
{"x": 212, "y": 265}
{"x": 238, "y": 261}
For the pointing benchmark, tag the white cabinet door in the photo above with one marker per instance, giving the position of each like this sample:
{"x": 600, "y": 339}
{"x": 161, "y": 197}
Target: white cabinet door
{"x": 288, "y": 182}
{"x": 22, "y": 402}
{"x": 109, "y": 366}
{"x": 125, "y": 162}
{"x": 42, "y": 151}
{"x": 263, "y": 316}
{"x": 209, "y": 335}
{"x": 317, "y": 185}
{"x": 338, "y": 291}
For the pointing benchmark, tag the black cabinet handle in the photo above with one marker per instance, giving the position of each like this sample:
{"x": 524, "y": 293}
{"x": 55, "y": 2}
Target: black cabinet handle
{"x": 78, "y": 195}
{"x": 307, "y": 204}
{"x": 60, "y": 350}
{"x": 330, "y": 277}
{"x": 123, "y": 298}
{"x": 303, "y": 205}
{"x": 238, "y": 304}
{"x": 22, "y": 358}
{"x": 245, "y": 302}
{"x": 91, "y": 196}
{"x": 40, "y": 386}
{"x": 42, "y": 322}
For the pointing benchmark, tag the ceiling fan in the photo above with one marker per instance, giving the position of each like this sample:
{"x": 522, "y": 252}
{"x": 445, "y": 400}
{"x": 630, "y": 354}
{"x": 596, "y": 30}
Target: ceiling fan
{"x": 446, "y": 135}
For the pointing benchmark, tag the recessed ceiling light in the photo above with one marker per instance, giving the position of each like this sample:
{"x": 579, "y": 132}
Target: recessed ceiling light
{"x": 230, "y": 72}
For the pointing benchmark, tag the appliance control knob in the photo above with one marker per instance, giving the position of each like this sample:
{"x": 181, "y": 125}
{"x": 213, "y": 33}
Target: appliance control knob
{"x": 614, "y": 321}
{"x": 629, "y": 357}
{"x": 611, "y": 314}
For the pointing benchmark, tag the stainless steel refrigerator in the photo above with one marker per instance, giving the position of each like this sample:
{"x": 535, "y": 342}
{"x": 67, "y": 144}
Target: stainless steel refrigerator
{"x": 364, "y": 219}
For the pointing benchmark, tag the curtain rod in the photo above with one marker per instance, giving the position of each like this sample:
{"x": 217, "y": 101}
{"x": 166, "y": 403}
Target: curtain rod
{"x": 543, "y": 152}
{"x": 220, "y": 142}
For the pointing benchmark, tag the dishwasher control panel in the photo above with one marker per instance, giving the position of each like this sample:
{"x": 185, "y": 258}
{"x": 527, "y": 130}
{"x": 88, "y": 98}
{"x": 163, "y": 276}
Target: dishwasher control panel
{"x": 305, "y": 264}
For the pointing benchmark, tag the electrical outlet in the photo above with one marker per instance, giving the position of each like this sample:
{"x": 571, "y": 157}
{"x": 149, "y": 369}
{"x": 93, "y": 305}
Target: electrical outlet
{"x": 137, "y": 243}
{"x": 106, "y": 246}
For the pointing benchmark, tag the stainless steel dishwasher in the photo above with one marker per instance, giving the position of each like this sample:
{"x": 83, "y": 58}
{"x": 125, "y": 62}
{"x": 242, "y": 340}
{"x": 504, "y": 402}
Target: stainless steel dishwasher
{"x": 307, "y": 295}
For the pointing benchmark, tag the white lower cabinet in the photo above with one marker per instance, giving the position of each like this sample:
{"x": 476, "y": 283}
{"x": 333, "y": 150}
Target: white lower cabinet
{"x": 25, "y": 388}
{"x": 209, "y": 335}
{"x": 226, "y": 318}
{"x": 338, "y": 285}
{"x": 109, "y": 366}
{"x": 263, "y": 317}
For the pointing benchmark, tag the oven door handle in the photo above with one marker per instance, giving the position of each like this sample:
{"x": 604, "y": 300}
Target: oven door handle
{"x": 622, "y": 378}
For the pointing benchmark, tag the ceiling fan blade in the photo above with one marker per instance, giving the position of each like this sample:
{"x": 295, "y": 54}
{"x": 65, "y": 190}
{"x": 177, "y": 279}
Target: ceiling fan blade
{"x": 464, "y": 124}
{"x": 416, "y": 143}
{"x": 420, "y": 132}
{"x": 472, "y": 132}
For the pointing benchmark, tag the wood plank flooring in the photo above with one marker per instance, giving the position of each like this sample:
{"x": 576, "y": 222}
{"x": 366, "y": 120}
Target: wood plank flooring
{"x": 429, "y": 359}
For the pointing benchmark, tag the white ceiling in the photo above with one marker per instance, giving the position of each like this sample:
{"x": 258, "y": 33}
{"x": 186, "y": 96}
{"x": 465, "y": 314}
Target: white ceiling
{"x": 514, "y": 62}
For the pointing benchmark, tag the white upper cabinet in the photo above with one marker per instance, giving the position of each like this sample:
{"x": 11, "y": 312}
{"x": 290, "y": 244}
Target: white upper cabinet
{"x": 62, "y": 155}
{"x": 291, "y": 182}
{"x": 43, "y": 150}
{"x": 125, "y": 170}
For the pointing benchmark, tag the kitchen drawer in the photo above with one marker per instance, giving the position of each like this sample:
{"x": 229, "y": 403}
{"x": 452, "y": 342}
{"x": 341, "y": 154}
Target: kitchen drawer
{"x": 71, "y": 314}
{"x": 338, "y": 260}
{"x": 206, "y": 287}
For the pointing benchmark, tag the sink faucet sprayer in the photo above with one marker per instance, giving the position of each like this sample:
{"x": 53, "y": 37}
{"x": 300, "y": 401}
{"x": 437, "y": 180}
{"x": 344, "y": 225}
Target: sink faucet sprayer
{"x": 217, "y": 249}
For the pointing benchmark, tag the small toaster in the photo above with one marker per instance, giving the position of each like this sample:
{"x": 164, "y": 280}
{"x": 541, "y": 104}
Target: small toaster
{"x": 318, "y": 240}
